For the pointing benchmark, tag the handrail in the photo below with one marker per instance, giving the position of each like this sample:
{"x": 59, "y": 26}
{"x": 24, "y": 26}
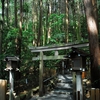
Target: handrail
{"x": 49, "y": 79}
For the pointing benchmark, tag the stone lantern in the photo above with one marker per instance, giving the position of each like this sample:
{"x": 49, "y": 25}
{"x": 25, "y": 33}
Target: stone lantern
{"x": 12, "y": 63}
{"x": 11, "y": 66}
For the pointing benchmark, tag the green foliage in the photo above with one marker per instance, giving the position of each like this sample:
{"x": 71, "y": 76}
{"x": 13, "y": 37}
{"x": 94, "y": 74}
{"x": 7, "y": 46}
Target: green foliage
{"x": 56, "y": 19}
{"x": 9, "y": 44}
{"x": 56, "y": 23}
{"x": 26, "y": 8}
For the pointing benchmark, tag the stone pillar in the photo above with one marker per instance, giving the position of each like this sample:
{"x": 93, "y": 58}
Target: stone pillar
{"x": 11, "y": 83}
{"x": 79, "y": 86}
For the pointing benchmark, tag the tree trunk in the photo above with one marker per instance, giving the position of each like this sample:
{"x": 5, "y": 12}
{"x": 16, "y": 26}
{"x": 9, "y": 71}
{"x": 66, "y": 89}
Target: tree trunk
{"x": 1, "y": 25}
{"x": 40, "y": 24}
{"x": 3, "y": 9}
{"x": 49, "y": 24}
{"x": 46, "y": 8}
{"x": 78, "y": 25}
{"x": 18, "y": 48}
{"x": 66, "y": 22}
{"x": 1, "y": 33}
{"x": 19, "y": 38}
{"x": 15, "y": 7}
{"x": 7, "y": 12}
{"x": 92, "y": 26}
{"x": 1, "y": 68}
{"x": 35, "y": 18}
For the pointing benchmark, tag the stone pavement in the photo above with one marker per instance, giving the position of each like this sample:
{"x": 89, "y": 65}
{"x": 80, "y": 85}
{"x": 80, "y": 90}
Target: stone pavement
{"x": 62, "y": 91}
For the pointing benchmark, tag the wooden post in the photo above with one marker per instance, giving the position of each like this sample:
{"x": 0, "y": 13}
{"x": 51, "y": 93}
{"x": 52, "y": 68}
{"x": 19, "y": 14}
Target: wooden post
{"x": 11, "y": 85}
{"x": 92, "y": 93}
{"x": 83, "y": 74}
{"x": 78, "y": 93}
{"x": 3, "y": 89}
{"x": 41, "y": 75}
{"x": 97, "y": 94}
{"x": 74, "y": 85}
{"x": 63, "y": 67}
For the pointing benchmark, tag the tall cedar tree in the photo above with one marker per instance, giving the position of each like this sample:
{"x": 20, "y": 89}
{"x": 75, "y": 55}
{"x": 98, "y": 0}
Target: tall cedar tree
{"x": 40, "y": 24}
{"x": 91, "y": 15}
{"x": 1, "y": 33}
{"x": 15, "y": 9}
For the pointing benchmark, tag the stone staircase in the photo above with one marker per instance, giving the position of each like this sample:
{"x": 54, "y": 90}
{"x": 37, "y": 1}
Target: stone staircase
{"x": 62, "y": 91}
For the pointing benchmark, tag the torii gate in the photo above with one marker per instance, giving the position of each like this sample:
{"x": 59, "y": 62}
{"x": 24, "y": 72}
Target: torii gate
{"x": 42, "y": 57}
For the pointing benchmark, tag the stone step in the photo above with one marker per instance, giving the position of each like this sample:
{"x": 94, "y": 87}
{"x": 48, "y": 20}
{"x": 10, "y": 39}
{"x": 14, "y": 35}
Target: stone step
{"x": 60, "y": 96}
{"x": 56, "y": 96}
{"x": 64, "y": 85}
{"x": 64, "y": 81}
{"x": 62, "y": 91}
{"x": 64, "y": 78}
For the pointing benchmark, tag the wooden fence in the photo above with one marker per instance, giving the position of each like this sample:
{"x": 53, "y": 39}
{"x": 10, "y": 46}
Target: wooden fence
{"x": 95, "y": 94}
